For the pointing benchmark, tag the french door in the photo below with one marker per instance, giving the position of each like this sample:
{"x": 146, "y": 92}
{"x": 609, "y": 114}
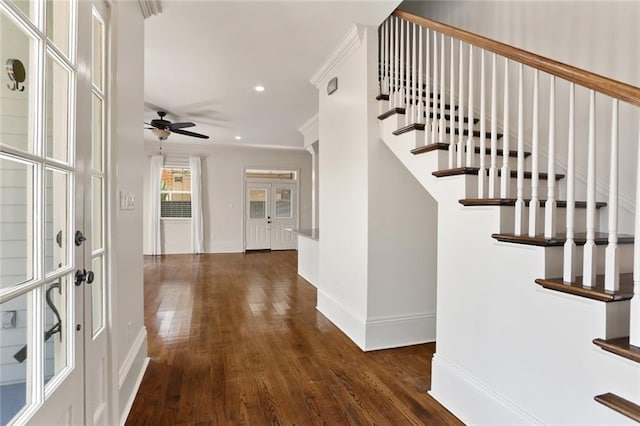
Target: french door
{"x": 53, "y": 105}
{"x": 271, "y": 215}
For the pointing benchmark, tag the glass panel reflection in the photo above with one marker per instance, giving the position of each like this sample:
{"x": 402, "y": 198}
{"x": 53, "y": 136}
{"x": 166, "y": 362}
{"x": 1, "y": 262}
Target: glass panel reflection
{"x": 97, "y": 295}
{"x": 97, "y": 52}
{"x": 283, "y": 203}
{"x": 17, "y": 99}
{"x": 57, "y": 110}
{"x": 16, "y": 222}
{"x": 96, "y": 137}
{"x": 56, "y": 219}
{"x": 15, "y": 357}
{"x": 96, "y": 213}
{"x": 257, "y": 203}
{"x": 58, "y": 24}
{"x": 56, "y": 328}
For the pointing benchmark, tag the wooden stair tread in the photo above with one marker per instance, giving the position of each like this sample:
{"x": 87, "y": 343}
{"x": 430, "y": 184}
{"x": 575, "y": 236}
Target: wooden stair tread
{"x": 410, "y": 127}
{"x": 448, "y": 117}
{"x": 392, "y": 111}
{"x": 619, "y": 404}
{"x": 596, "y": 292}
{"x": 474, "y": 171}
{"x": 601, "y": 238}
{"x": 443, "y": 146}
{"x": 512, "y": 202}
{"x": 476, "y": 133}
{"x": 382, "y": 97}
{"x": 620, "y": 346}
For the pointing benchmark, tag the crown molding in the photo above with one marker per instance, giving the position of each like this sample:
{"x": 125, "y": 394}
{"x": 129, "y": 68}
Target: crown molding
{"x": 310, "y": 130}
{"x": 150, "y": 7}
{"x": 345, "y": 49}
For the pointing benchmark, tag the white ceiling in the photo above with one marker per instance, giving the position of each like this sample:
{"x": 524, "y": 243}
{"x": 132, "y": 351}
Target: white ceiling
{"x": 203, "y": 58}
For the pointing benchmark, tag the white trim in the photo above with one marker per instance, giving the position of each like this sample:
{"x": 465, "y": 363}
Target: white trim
{"x": 350, "y": 323}
{"x": 136, "y": 386}
{"x": 125, "y": 368}
{"x": 150, "y": 7}
{"x": 400, "y": 330}
{"x": 310, "y": 130}
{"x": 472, "y": 400}
{"x": 346, "y": 47}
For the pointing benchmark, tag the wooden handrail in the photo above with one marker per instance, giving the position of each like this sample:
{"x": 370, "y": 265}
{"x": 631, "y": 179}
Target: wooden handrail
{"x": 616, "y": 89}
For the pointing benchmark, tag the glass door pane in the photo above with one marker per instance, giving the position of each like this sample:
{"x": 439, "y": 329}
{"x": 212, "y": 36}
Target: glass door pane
{"x": 57, "y": 324}
{"x": 16, "y": 359}
{"x": 16, "y": 221}
{"x": 17, "y": 103}
{"x": 57, "y": 109}
{"x": 56, "y": 225}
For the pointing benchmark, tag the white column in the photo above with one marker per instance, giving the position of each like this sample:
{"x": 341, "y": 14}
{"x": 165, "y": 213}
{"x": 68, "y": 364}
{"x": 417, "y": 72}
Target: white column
{"x": 569, "y": 274}
{"x": 534, "y": 204}
{"x": 589, "y": 261}
{"x": 550, "y": 204}
{"x": 612, "y": 261}
{"x": 506, "y": 170}
{"x": 520, "y": 172}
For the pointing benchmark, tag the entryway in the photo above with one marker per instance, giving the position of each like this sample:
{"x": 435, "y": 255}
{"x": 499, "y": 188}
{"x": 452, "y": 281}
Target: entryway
{"x": 271, "y": 209}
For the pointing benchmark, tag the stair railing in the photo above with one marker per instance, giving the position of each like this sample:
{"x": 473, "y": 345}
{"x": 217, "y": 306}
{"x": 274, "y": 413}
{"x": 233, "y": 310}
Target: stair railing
{"x": 415, "y": 52}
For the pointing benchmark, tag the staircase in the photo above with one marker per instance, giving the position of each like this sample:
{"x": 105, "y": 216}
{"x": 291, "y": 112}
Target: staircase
{"x": 534, "y": 268}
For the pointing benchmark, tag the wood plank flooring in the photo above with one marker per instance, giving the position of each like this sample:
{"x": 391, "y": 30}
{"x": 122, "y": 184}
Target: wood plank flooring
{"x": 236, "y": 339}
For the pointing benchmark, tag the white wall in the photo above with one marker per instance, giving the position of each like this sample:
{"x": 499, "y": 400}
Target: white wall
{"x": 223, "y": 192}
{"x": 377, "y": 272}
{"x": 128, "y": 333}
{"x": 601, "y": 37}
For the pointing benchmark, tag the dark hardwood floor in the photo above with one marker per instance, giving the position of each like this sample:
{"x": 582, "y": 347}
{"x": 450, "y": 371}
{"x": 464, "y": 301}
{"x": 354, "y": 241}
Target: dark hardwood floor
{"x": 236, "y": 339}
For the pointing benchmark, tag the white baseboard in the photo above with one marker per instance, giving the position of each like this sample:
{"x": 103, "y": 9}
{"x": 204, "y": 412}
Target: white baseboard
{"x": 400, "y": 330}
{"x": 132, "y": 355}
{"x": 132, "y": 397}
{"x": 471, "y": 400}
{"x": 224, "y": 247}
{"x": 128, "y": 385}
{"x": 348, "y": 322}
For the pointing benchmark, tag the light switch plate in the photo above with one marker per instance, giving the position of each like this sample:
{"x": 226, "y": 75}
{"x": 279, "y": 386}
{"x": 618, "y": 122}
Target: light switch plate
{"x": 127, "y": 201}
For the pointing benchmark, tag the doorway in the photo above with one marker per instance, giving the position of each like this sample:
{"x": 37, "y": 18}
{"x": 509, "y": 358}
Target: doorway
{"x": 271, "y": 210}
{"x": 53, "y": 254}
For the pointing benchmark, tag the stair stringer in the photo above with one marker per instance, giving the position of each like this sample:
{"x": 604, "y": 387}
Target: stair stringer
{"x": 508, "y": 351}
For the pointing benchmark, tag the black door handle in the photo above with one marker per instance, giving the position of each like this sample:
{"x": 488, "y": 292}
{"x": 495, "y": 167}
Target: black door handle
{"x": 81, "y": 275}
{"x": 90, "y": 277}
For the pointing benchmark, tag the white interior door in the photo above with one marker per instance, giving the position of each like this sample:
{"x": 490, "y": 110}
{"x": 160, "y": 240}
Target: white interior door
{"x": 258, "y": 216}
{"x": 284, "y": 215}
{"x": 53, "y": 323}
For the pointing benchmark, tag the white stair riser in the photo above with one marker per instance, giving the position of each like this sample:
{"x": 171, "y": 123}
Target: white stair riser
{"x": 554, "y": 269}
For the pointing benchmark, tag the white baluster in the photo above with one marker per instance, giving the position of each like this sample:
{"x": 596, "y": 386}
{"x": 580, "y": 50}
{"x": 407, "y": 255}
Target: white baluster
{"x": 387, "y": 62}
{"x": 634, "y": 323}
{"x": 421, "y": 97}
{"x": 589, "y": 262}
{"x": 550, "y": 204}
{"x": 433, "y": 107}
{"x": 452, "y": 146}
{"x": 482, "y": 171}
{"x": 569, "y": 274}
{"x": 441, "y": 126}
{"x": 402, "y": 74}
{"x": 414, "y": 64}
{"x": 460, "y": 145}
{"x": 493, "y": 169}
{"x": 395, "y": 57}
{"x": 612, "y": 260}
{"x": 520, "y": 166}
{"x": 427, "y": 90}
{"x": 506, "y": 170}
{"x": 470, "y": 144}
{"x": 534, "y": 204}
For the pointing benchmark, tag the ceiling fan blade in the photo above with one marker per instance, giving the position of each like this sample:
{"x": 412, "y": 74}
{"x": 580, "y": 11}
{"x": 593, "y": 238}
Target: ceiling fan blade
{"x": 187, "y": 133}
{"x": 181, "y": 125}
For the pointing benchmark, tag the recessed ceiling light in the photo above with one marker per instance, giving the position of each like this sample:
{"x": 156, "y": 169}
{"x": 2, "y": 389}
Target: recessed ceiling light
{"x": 258, "y": 88}
{"x": 238, "y": 138}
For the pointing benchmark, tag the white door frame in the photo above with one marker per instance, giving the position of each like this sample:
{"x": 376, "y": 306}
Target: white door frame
{"x": 245, "y": 180}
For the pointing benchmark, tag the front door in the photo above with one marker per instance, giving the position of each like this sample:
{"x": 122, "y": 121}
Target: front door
{"x": 53, "y": 338}
{"x": 271, "y": 215}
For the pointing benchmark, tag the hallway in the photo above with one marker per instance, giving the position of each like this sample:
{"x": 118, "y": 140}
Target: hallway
{"x": 236, "y": 339}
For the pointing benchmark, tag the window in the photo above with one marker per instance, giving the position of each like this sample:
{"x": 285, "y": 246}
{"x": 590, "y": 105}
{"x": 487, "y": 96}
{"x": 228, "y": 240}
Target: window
{"x": 175, "y": 193}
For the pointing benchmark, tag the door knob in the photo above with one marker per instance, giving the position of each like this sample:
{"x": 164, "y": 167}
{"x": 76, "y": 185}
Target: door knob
{"x": 80, "y": 276}
{"x": 90, "y": 277}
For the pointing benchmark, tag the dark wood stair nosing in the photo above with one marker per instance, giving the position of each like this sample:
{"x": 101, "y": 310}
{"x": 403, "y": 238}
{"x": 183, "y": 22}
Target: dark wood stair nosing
{"x": 597, "y": 292}
{"x": 468, "y": 202}
{"x": 619, "y": 404}
{"x": 444, "y": 146}
{"x": 601, "y": 238}
{"x": 409, "y": 128}
{"x": 474, "y": 171}
{"x": 619, "y": 346}
{"x": 392, "y": 111}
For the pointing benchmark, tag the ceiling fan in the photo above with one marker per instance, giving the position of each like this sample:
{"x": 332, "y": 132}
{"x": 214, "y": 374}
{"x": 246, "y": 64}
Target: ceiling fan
{"x": 162, "y": 128}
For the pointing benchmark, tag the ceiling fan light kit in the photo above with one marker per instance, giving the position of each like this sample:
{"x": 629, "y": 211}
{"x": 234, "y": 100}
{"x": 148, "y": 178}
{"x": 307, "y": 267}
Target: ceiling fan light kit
{"x": 162, "y": 128}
